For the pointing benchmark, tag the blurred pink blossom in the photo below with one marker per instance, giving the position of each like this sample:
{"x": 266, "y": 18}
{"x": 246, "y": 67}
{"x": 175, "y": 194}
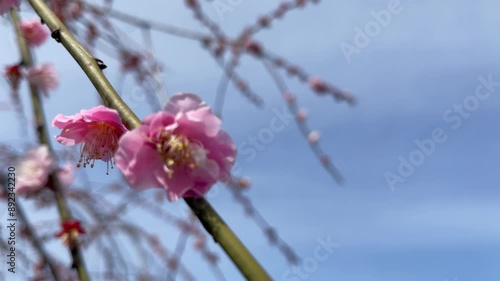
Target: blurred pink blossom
{"x": 34, "y": 170}
{"x": 313, "y": 137}
{"x": 301, "y": 115}
{"x": 5, "y": 5}
{"x": 97, "y": 130}
{"x": 66, "y": 174}
{"x": 70, "y": 231}
{"x": 34, "y": 32}
{"x": 181, "y": 149}
{"x": 13, "y": 75}
{"x": 289, "y": 98}
{"x": 243, "y": 183}
{"x": 318, "y": 85}
{"x": 44, "y": 77}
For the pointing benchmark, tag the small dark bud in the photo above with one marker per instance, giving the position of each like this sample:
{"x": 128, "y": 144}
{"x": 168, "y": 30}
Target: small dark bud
{"x": 100, "y": 63}
{"x": 56, "y": 34}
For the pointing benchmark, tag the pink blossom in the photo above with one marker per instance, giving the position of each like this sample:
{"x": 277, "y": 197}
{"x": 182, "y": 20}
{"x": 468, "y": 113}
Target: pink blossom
{"x": 211, "y": 257}
{"x": 6, "y": 5}
{"x": 44, "y": 77}
{"x": 199, "y": 243}
{"x": 97, "y": 130}
{"x": 130, "y": 60}
{"x": 301, "y": 115}
{"x": 313, "y": 137}
{"x": 318, "y": 85}
{"x": 13, "y": 75}
{"x": 71, "y": 230}
{"x": 75, "y": 9}
{"x": 34, "y": 32}
{"x": 181, "y": 149}
{"x": 66, "y": 174}
{"x": 289, "y": 98}
{"x": 242, "y": 85}
{"x": 69, "y": 226}
{"x": 34, "y": 170}
{"x": 300, "y": 2}
{"x": 243, "y": 183}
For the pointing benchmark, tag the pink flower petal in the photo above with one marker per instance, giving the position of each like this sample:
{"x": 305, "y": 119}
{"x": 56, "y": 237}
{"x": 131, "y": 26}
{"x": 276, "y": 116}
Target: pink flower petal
{"x": 139, "y": 161}
{"x": 183, "y": 102}
{"x": 98, "y": 130}
{"x": 73, "y": 133}
{"x": 34, "y": 32}
{"x": 101, "y": 113}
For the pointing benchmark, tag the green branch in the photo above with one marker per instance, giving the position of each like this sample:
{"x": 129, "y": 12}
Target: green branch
{"x": 212, "y": 222}
{"x": 223, "y": 235}
{"x": 43, "y": 138}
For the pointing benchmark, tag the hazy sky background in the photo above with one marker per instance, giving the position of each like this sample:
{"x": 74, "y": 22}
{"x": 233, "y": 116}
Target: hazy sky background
{"x": 440, "y": 224}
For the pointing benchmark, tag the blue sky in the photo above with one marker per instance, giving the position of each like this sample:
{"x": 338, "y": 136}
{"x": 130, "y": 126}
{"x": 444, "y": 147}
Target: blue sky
{"x": 439, "y": 224}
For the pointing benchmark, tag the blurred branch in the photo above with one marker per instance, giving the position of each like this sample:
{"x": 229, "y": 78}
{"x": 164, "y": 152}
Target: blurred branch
{"x": 141, "y": 23}
{"x": 179, "y": 250}
{"x": 31, "y": 234}
{"x": 304, "y": 129}
{"x": 43, "y": 138}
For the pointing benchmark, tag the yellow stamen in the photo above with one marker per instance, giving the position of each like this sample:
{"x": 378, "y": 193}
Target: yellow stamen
{"x": 177, "y": 151}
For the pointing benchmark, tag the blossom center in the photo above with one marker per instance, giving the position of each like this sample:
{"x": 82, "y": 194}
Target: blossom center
{"x": 178, "y": 151}
{"x": 100, "y": 143}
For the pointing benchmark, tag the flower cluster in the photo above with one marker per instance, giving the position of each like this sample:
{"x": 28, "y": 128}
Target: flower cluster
{"x": 44, "y": 76}
{"x": 181, "y": 149}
